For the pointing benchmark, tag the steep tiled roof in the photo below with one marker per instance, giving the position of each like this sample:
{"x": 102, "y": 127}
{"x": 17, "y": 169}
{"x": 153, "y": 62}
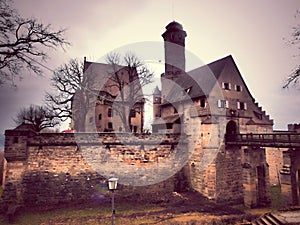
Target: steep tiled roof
{"x": 198, "y": 82}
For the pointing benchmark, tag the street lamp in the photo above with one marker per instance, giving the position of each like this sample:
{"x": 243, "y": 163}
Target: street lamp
{"x": 112, "y": 185}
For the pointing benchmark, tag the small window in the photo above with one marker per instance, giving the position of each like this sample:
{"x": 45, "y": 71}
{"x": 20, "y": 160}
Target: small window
{"x": 91, "y": 119}
{"x": 226, "y": 85}
{"x": 242, "y": 105}
{"x": 169, "y": 125}
{"x": 16, "y": 140}
{"x": 110, "y": 112}
{"x": 110, "y": 125}
{"x": 188, "y": 90}
{"x": 202, "y": 103}
{"x": 238, "y": 88}
{"x": 132, "y": 113}
{"x": 223, "y": 103}
{"x": 100, "y": 116}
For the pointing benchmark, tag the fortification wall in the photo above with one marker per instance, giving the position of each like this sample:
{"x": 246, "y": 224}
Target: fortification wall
{"x": 49, "y": 169}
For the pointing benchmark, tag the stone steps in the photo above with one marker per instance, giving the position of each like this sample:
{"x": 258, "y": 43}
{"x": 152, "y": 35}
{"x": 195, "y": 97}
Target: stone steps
{"x": 269, "y": 219}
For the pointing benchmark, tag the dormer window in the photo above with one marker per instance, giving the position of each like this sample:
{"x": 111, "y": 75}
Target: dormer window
{"x": 188, "y": 90}
{"x": 226, "y": 85}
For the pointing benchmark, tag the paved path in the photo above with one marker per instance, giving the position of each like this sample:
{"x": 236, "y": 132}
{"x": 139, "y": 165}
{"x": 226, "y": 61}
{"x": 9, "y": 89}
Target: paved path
{"x": 291, "y": 216}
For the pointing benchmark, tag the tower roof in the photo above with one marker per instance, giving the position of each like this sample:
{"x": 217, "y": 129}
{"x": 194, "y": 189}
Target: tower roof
{"x": 156, "y": 91}
{"x": 174, "y": 26}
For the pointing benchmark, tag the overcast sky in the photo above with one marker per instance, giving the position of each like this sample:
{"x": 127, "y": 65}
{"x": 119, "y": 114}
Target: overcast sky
{"x": 253, "y": 32}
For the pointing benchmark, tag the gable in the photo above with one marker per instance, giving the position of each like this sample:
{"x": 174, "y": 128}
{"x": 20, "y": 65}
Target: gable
{"x": 196, "y": 83}
{"x": 208, "y": 80}
{"x": 238, "y": 96}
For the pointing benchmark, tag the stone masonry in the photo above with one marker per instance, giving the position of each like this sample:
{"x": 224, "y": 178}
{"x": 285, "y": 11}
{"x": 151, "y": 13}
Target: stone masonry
{"x": 45, "y": 169}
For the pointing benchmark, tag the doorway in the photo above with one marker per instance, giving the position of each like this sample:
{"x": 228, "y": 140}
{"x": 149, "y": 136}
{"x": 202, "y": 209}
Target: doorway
{"x": 261, "y": 186}
{"x": 231, "y": 128}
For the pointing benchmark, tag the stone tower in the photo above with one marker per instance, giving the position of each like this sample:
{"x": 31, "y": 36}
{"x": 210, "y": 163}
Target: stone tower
{"x": 174, "y": 44}
{"x": 156, "y": 102}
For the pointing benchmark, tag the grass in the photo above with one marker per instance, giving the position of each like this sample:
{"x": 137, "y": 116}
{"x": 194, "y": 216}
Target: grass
{"x": 90, "y": 215}
{"x": 276, "y": 198}
{"x": 177, "y": 211}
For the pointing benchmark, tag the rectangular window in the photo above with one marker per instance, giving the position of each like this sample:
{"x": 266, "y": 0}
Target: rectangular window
{"x": 226, "y": 85}
{"x": 110, "y": 112}
{"x": 169, "y": 125}
{"x": 91, "y": 119}
{"x": 110, "y": 125}
{"x": 242, "y": 105}
{"x": 16, "y": 140}
{"x": 100, "y": 116}
{"x": 223, "y": 103}
{"x": 132, "y": 113}
{"x": 202, "y": 103}
{"x": 238, "y": 88}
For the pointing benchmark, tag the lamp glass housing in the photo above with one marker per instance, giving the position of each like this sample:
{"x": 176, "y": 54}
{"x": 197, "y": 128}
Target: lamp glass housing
{"x": 112, "y": 183}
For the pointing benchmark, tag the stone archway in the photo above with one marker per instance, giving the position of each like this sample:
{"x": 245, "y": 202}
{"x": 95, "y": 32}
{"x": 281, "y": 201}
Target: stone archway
{"x": 231, "y": 128}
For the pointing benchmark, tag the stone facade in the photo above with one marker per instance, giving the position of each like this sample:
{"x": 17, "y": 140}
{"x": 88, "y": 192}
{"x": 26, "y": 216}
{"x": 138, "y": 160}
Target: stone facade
{"x": 256, "y": 178}
{"x": 50, "y": 168}
{"x": 111, "y": 100}
{"x": 190, "y": 124}
{"x": 290, "y": 171}
{"x": 46, "y": 169}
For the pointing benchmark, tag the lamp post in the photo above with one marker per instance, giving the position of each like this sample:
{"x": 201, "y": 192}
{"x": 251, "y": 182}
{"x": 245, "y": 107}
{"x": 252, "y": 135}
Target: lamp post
{"x": 112, "y": 185}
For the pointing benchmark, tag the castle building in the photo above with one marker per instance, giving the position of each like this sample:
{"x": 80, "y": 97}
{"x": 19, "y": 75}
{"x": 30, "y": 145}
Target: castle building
{"x": 215, "y": 90}
{"x": 212, "y": 101}
{"x": 195, "y": 114}
{"x": 113, "y": 99}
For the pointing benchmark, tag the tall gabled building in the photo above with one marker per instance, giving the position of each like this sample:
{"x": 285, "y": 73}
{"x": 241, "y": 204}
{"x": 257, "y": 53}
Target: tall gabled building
{"x": 211, "y": 101}
{"x": 216, "y": 89}
{"x": 115, "y": 98}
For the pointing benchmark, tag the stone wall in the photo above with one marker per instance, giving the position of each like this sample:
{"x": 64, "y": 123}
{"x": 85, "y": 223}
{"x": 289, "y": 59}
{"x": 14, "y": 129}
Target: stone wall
{"x": 274, "y": 157}
{"x": 49, "y": 169}
{"x": 256, "y": 177}
{"x": 53, "y": 168}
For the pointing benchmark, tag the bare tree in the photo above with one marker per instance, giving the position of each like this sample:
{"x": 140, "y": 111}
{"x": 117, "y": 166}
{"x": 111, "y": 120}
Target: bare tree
{"x": 71, "y": 87}
{"x": 77, "y": 89}
{"x": 38, "y": 116}
{"x": 128, "y": 85}
{"x": 22, "y": 42}
{"x": 295, "y": 40}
